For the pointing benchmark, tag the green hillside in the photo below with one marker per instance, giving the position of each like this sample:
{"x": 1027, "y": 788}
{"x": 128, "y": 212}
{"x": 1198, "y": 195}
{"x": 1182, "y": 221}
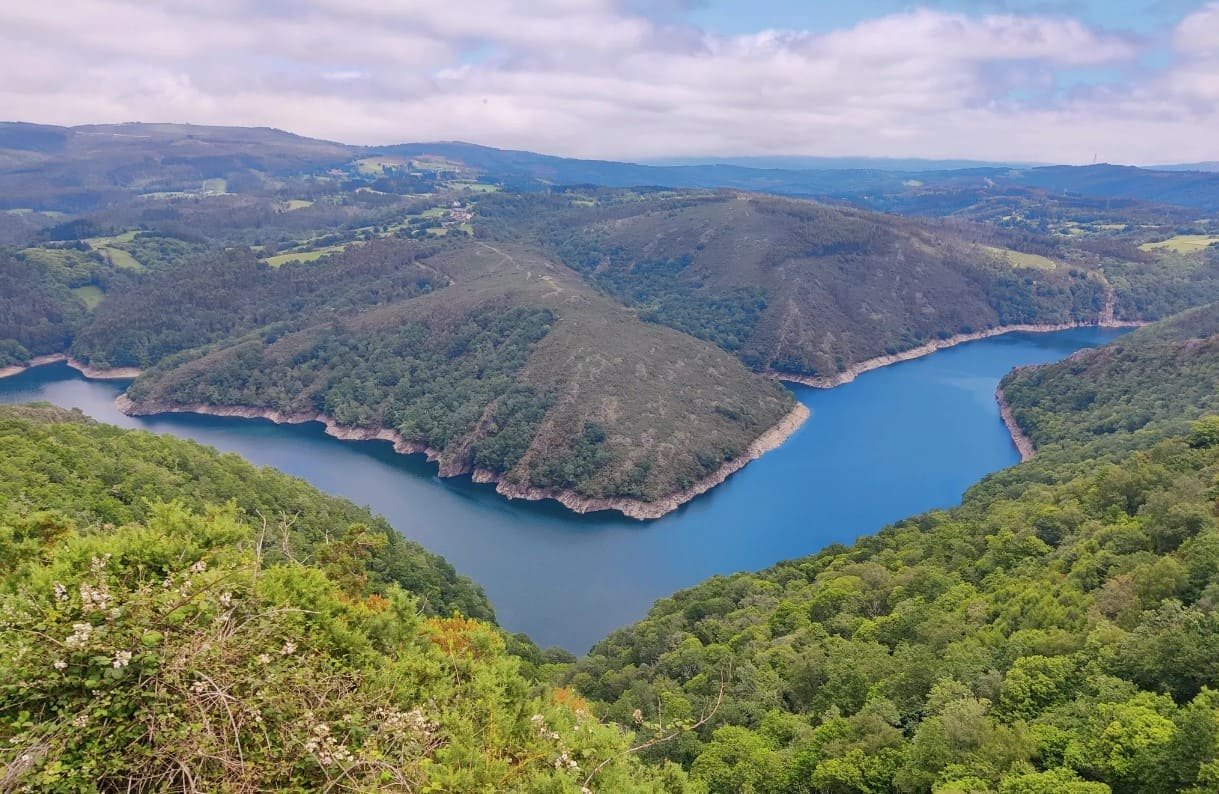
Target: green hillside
{"x": 1149, "y": 383}
{"x": 809, "y": 290}
{"x": 156, "y": 635}
{"x": 494, "y": 357}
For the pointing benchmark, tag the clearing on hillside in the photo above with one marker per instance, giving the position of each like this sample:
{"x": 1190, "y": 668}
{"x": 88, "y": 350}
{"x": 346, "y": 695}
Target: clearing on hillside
{"x": 1183, "y": 243}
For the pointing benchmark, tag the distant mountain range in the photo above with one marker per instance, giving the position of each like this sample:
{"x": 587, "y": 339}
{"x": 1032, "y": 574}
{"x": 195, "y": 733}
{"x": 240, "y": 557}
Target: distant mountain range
{"x": 76, "y": 168}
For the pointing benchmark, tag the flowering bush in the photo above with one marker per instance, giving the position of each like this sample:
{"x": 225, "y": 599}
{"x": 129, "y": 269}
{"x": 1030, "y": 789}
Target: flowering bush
{"x": 170, "y": 656}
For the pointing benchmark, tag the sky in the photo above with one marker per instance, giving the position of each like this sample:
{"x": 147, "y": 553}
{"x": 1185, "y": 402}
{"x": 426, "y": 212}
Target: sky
{"x": 1077, "y": 81}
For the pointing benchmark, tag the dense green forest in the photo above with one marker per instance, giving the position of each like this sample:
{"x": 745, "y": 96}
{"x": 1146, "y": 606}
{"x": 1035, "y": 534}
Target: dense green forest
{"x": 156, "y": 634}
{"x": 1149, "y": 383}
{"x": 59, "y": 466}
{"x": 1057, "y": 632}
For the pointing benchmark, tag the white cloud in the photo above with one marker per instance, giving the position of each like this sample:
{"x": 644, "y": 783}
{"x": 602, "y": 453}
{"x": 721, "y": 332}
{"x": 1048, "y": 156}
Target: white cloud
{"x": 591, "y": 78}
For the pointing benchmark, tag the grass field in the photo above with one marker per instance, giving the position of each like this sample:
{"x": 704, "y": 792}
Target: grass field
{"x": 89, "y": 295}
{"x": 1183, "y": 243}
{"x": 296, "y": 204}
{"x": 375, "y": 166}
{"x": 474, "y": 187}
{"x": 215, "y": 186}
{"x": 63, "y": 257}
{"x": 119, "y": 258}
{"x": 305, "y": 256}
{"x": 1021, "y": 259}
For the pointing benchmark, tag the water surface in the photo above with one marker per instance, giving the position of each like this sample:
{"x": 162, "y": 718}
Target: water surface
{"x": 895, "y": 442}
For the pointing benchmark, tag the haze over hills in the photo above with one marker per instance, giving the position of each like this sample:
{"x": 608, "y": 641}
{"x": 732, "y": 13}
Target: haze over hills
{"x": 104, "y": 157}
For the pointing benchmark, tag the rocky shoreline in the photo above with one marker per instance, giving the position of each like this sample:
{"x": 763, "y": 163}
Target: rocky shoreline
{"x": 1024, "y": 444}
{"x": 632, "y": 508}
{"x": 855, "y": 370}
{"x": 93, "y": 373}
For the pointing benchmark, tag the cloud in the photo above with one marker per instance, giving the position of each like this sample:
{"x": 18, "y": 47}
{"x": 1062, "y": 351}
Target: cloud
{"x": 598, "y": 78}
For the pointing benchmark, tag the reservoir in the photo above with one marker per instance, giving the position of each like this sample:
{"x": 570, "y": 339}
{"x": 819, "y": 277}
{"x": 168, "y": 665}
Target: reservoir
{"x": 895, "y": 442}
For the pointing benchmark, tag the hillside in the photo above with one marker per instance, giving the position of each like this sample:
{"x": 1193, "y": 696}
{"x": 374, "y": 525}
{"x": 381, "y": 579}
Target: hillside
{"x": 493, "y": 360}
{"x": 156, "y": 635}
{"x": 1150, "y": 383}
{"x": 73, "y": 169}
{"x": 809, "y": 290}
{"x": 1056, "y": 632}
{"x": 59, "y": 466}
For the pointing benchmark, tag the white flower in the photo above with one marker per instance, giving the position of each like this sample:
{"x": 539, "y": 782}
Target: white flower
{"x": 80, "y": 635}
{"x": 81, "y": 721}
{"x": 121, "y": 659}
{"x": 60, "y": 664}
{"x": 199, "y": 567}
{"x": 264, "y": 658}
{"x": 288, "y": 648}
{"x": 226, "y": 600}
{"x": 61, "y": 592}
{"x": 92, "y": 598}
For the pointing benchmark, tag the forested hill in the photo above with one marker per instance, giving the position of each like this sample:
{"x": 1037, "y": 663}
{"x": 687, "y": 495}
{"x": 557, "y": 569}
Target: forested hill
{"x": 809, "y": 289}
{"x": 60, "y": 468}
{"x": 496, "y": 359}
{"x": 156, "y": 635}
{"x": 1147, "y": 384}
{"x": 1057, "y": 632}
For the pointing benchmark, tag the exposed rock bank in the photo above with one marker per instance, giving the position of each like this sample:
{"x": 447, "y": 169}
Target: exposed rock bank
{"x": 634, "y": 508}
{"x": 1024, "y": 444}
{"x": 855, "y": 370}
{"x": 117, "y": 373}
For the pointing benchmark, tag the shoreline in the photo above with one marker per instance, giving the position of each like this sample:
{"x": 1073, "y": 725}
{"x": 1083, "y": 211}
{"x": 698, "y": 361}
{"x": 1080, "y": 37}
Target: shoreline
{"x": 92, "y": 373}
{"x": 855, "y": 370}
{"x": 1024, "y": 444}
{"x": 770, "y": 439}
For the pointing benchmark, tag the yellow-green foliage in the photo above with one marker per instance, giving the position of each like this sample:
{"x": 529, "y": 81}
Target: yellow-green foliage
{"x": 1183, "y": 243}
{"x": 167, "y": 655}
{"x": 1022, "y": 259}
{"x": 304, "y": 256}
{"x": 90, "y": 295}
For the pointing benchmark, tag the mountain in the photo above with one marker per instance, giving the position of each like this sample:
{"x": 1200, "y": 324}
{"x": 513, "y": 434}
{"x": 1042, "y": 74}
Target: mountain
{"x": 73, "y": 169}
{"x": 803, "y": 163}
{"x": 86, "y": 167}
{"x": 1210, "y": 165}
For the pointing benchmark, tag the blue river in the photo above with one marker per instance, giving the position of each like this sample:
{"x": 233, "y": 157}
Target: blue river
{"x": 895, "y": 442}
